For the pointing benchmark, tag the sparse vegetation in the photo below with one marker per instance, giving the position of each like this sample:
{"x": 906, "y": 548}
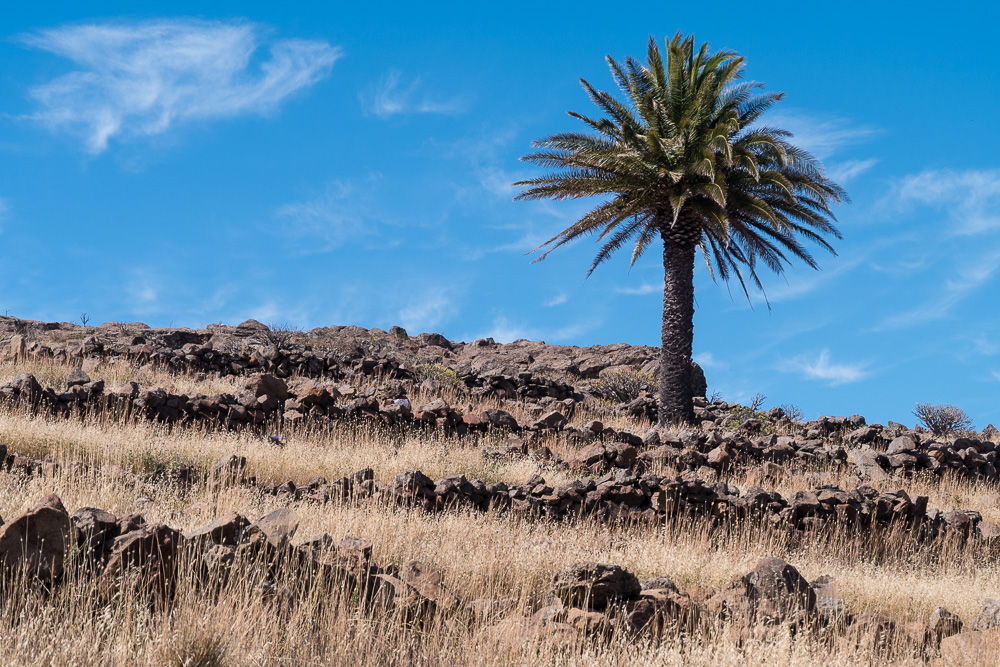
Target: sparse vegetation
{"x": 792, "y": 411}
{"x": 943, "y": 419}
{"x": 622, "y": 385}
{"x": 278, "y": 335}
{"x": 438, "y": 373}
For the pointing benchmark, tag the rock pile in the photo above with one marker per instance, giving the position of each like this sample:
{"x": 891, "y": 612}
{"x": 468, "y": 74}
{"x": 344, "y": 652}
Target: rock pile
{"x": 323, "y": 352}
{"x": 125, "y": 554}
{"x": 595, "y": 600}
{"x": 589, "y": 600}
{"x": 874, "y": 452}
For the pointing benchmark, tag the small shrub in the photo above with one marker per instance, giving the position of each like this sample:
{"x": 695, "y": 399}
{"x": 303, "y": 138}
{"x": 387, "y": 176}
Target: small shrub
{"x": 437, "y": 373}
{"x": 942, "y": 419}
{"x": 623, "y": 385}
{"x": 121, "y": 328}
{"x": 277, "y": 335}
{"x": 792, "y": 411}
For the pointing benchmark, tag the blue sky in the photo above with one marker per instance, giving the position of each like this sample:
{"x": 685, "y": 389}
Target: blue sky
{"x": 352, "y": 164}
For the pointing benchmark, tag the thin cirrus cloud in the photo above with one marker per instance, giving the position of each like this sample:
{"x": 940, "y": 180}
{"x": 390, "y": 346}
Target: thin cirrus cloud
{"x": 557, "y": 300}
{"x": 324, "y": 222}
{"x": 390, "y": 97}
{"x": 971, "y": 274}
{"x": 426, "y": 311}
{"x": 843, "y": 172}
{"x": 823, "y": 136}
{"x": 821, "y": 367}
{"x": 641, "y": 290}
{"x": 504, "y": 330}
{"x": 141, "y": 79}
{"x": 969, "y": 199}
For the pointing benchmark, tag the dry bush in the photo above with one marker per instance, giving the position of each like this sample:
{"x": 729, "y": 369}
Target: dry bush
{"x": 943, "y": 419}
{"x": 277, "y": 335}
{"x": 623, "y": 385}
{"x": 792, "y": 411}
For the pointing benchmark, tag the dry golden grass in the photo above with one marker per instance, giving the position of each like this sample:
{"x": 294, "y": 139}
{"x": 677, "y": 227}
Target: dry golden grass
{"x": 493, "y": 556}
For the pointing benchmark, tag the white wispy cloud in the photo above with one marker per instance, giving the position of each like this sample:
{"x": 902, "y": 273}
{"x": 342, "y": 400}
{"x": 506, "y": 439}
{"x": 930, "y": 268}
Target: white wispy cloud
{"x": 326, "y": 221}
{"x": 822, "y": 136}
{"x": 996, "y": 375}
{"x": 504, "y": 330}
{"x": 557, "y": 300}
{"x": 800, "y": 285}
{"x": 900, "y": 268}
{"x": 142, "y": 293}
{"x": 708, "y": 361}
{"x": 820, "y": 367}
{"x": 985, "y": 346}
{"x": 136, "y": 79}
{"x": 390, "y": 97}
{"x": 427, "y": 309}
{"x": 972, "y": 274}
{"x": 842, "y": 172}
{"x": 645, "y": 288}
{"x": 969, "y": 199}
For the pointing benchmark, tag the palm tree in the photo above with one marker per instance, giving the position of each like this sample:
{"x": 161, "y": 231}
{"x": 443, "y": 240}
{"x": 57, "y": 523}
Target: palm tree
{"x": 684, "y": 159}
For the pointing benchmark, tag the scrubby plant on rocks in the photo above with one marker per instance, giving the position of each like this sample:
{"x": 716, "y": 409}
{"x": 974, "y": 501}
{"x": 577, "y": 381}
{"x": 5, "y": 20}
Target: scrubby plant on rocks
{"x": 623, "y": 385}
{"x": 437, "y": 373}
{"x": 791, "y": 411}
{"x": 943, "y": 419}
{"x": 278, "y": 335}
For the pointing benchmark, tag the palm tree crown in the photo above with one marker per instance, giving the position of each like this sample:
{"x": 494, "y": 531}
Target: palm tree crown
{"x": 684, "y": 158}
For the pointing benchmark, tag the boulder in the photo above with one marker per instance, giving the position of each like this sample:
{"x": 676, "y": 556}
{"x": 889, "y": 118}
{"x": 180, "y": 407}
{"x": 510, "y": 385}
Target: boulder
{"x": 779, "y": 590}
{"x": 427, "y": 582}
{"x": 978, "y": 647}
{"x": 268, "y": 385}
{"x": 225, "y": 530}
{"x": 276, "y": 528}
{"x": 773, "y": 592}
{"x": 943, "y": 623}
{"x": 230, "y": 469}
{"x": 869, "y": 465}
{"x": 904, "y": 444}
{"x": 500, "y": 419}
{"x": 595, "y": 584}
{"x": 94, "y": 527}
{"x": 989, "y": 615}
{"x": 154, "y": 551}
{"x": 553, "y": 420}
{"x": 438, "y": 407}
{"x": 36, "y": 542}
{"x": 77, "y": 378}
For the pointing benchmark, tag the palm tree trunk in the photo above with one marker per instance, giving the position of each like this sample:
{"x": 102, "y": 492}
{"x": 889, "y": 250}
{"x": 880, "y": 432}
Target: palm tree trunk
{"x": 677, "y": 333}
